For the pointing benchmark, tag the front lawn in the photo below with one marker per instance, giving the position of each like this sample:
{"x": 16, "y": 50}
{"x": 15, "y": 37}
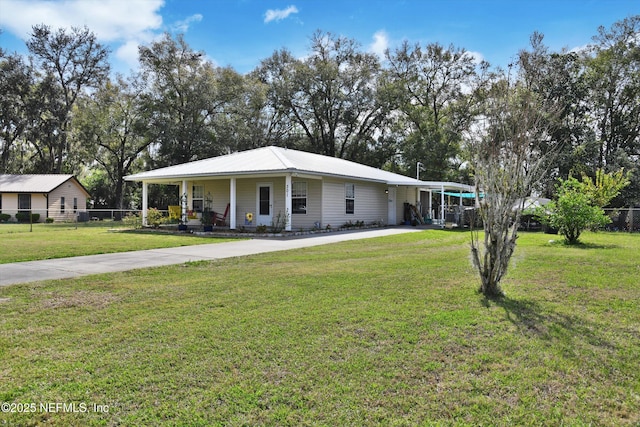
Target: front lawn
{"x": 48, "y": 241}
{"x": 386, "y": 331}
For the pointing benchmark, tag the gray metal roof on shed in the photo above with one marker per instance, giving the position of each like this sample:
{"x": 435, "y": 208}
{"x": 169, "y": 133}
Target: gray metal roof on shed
{"x": 275, "y": 160}
{"x": 42, "y": 183}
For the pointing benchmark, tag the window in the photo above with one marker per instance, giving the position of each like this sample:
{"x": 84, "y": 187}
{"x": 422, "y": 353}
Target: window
{"x": 299, "y": 197}
{"x": 75, "y": 204}
{"x": 24, "y": 202}
{"x": 197, "y": 203}
{"x": 61, "y": 204}
{"x": 350, "y": 197}
{"x": 264, "y": 200}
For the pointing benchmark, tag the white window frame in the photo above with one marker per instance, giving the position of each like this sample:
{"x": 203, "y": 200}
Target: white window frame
{"x": 24, "y": 197}
{"x": 197, "y": 195}
{"x": 299, "y": 197}
{"x": 350, "y": 198}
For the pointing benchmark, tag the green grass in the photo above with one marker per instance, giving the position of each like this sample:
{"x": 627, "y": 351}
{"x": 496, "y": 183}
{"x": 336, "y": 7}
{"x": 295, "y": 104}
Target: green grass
{"x": 387, "y": 331}
{"x": 48, "y": 241}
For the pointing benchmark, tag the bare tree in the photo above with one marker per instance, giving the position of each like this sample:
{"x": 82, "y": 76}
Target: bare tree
{"x": 507, "y": 163}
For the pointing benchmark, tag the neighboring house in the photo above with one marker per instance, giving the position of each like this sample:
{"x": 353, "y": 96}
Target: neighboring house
{"x": 60, "y": 197}
{"x": 308, "y": 190}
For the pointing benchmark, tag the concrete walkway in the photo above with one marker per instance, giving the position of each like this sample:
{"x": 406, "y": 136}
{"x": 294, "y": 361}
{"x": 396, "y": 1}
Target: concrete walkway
{"x": 32, "y": 271}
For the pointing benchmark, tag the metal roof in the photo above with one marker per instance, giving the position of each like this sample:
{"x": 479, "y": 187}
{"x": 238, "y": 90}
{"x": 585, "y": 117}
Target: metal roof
{"x": 277, "y": 160}
{"x": 43, "y": 183}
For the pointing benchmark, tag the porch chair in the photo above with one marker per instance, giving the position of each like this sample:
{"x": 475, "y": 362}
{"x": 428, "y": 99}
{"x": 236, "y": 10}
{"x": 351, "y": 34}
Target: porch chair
{"x": 175, "y": 212}
{"x": 220, "y": 219}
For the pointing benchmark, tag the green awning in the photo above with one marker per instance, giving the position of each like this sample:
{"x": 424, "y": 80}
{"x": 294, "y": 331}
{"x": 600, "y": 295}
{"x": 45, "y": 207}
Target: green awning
{"x": 463, "y": 195}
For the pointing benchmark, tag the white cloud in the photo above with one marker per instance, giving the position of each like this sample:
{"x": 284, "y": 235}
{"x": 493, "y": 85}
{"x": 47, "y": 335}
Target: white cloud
{"x": 279, "y": 14}
{"x": 110, "y": 20}
{"x": 183, "y": 26}
{"x": 477, "y": 57}
{"x": 123, "y": 24}
{"x": 128, "y": 53}
{"x": 380, "y": 43}
{"x": 580, "y": 49}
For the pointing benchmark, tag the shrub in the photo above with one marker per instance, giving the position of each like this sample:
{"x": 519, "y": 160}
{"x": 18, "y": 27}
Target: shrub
{"x": 49, "y": 220}
{"x": 24, "y": 217}
{"x": 154, "y": 217}
{"x": 279, "y": 223}
{"x": 132, "y": 221}
{"x": 573, "y": 212}
{"x": 4, "y": 217}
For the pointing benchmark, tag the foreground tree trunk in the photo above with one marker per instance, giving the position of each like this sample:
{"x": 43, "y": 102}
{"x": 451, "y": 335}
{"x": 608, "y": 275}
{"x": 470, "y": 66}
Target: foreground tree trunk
{"x": 491, "y": 257}
{"x": 507, "y": 164}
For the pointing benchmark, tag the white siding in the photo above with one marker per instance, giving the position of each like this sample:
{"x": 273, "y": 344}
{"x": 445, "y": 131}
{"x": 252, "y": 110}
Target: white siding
{"x": 9, "y": 204}
{"x": 69, "y": 190}
{"x": 371, "y": 203}
{"x": 246, "y": 198}
{"x": 38, "y": 205}
{"x": 404, "y": 195}
{"x": 218, "y": 190}
{"x": 325, "y": 200}
{"x": 314, "y": 206}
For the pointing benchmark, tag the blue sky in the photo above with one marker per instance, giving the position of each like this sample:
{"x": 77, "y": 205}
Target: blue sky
{"x": 240, "y": 33}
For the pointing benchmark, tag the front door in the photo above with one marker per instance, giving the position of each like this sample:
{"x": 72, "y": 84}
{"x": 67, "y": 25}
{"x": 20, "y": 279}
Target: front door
{"x": 264, "y": 203}
{"x": 391, "y": 212}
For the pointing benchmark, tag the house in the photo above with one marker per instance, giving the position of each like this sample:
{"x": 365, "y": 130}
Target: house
{"x": 303, "y": 190}
{"x": 56, "y": 196}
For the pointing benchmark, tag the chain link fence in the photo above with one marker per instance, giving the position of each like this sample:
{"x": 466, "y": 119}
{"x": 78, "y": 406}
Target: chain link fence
{"x": 624, "y": 219}
{"x": 41, "y": 215}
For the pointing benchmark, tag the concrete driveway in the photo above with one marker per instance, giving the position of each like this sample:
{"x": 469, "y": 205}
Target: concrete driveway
{"x": 63, "y": 268}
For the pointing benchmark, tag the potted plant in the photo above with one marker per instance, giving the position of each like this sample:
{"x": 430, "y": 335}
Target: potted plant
{"x": 207, "y": 214}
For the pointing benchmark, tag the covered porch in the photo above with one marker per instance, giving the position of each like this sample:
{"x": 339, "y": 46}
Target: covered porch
{"x": 438, "y": 200}
{"x": 248, "y": 201}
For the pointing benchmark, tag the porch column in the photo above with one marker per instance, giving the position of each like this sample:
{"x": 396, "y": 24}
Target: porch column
{"x": 287, "y": 200}
{"x": 183, "y": 201}
{"x": 430, "y": 206}
{"x": 232, "y": 203}
{"x": 442, "y": 205}
{"x": 145, "y": 201}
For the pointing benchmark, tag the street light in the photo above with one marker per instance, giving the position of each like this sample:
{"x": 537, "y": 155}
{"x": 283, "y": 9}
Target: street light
{"x": 419, "y": 167}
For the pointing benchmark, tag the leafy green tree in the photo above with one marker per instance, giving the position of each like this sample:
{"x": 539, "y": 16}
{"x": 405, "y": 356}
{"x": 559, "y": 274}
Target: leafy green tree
{"x": 184, "y": 94}
{"x": 69, "y": 62}
{"x": 109, "y": 125}
{"x": 431, "y": 91}
{"x": 16, "y": 105}
{"x": 613, "y": 79}
{"x": 579, "y": 203}
{"x": 560, "y": 76}
{"x": 605, "y": 186}
{"x": 98, "y": 184}
{"x": 249, "y": 120}
{"x": 331, "y": 97}
{"x": 573, "y": 211}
